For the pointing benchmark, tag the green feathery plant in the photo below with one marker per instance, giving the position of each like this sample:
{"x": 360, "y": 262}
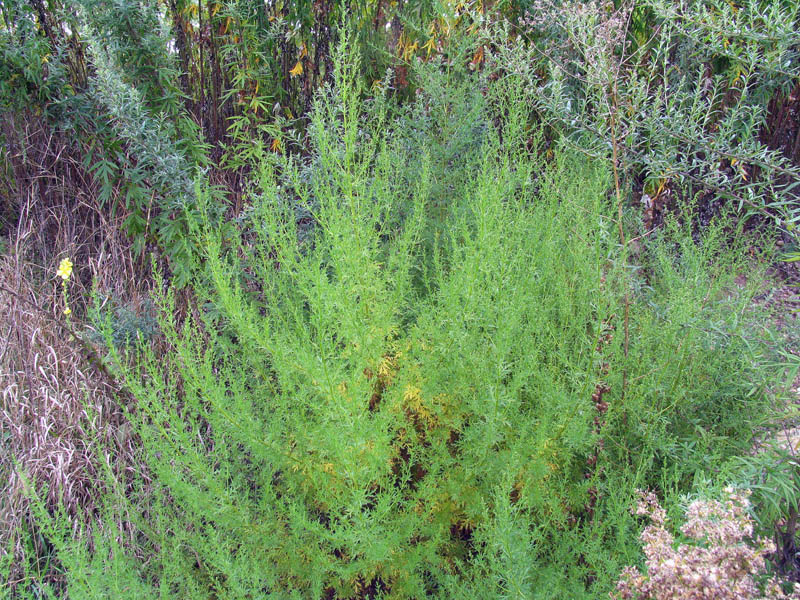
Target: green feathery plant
{"x": 364, "y": 404}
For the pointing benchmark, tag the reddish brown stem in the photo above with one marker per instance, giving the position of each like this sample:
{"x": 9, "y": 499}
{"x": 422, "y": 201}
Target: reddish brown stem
{"x": 623, "y": 242}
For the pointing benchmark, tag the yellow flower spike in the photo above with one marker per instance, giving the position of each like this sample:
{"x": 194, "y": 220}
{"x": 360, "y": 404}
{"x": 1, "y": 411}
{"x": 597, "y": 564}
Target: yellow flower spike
{"x": 65, "y": 269}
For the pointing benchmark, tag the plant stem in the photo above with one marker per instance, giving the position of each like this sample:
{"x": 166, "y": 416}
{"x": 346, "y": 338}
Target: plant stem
{"x": 622, "y": 240}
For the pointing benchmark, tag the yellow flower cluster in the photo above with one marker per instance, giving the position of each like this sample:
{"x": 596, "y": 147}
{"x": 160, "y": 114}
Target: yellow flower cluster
{"x": 65, "y": 272}
{"x": 65, "y": 269}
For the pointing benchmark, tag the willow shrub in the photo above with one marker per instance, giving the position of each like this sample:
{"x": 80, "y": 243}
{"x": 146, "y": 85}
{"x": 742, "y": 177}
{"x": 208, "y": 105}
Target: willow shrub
{"x": 371, "y": 404}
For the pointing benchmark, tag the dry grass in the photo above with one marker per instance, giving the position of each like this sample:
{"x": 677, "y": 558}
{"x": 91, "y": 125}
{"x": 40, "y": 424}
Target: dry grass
{"x": 60, "y": 412}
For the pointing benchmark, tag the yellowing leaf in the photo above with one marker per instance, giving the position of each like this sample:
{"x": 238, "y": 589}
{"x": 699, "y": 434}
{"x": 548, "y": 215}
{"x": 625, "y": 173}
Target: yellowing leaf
{"x": 408, "y": 51}
{"x": 276, "y": 145}
{"x": 478, "y": 57}
{"x": 297, "y": 70}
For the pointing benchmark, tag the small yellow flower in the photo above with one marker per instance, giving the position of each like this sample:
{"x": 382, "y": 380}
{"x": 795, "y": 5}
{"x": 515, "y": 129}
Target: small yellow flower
{"x": 65, "y": 269}
{"x": 68, "y": 311}
{"x": 298, "y": 69}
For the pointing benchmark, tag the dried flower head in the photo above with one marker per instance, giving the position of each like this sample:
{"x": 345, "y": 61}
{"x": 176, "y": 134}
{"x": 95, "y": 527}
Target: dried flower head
{"x": 718, "y": 565}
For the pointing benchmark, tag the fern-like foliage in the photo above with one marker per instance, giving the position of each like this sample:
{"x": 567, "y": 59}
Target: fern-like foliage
{"x": 416, "y": 386}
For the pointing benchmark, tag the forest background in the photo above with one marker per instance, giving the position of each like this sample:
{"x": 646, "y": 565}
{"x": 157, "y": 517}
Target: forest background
{"x": 327, "y": 299}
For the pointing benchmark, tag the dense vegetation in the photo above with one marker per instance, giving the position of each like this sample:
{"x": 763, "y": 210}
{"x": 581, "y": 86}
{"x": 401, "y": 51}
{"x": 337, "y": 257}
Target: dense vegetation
{"x": 397, "y": 299}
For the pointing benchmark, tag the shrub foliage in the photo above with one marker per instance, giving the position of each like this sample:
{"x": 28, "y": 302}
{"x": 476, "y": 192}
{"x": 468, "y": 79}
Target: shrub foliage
{"x": 367, "y": 402}
{"x": 409, "y": 345}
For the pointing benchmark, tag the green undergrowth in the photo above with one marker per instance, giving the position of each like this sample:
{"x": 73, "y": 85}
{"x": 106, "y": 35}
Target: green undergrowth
{"x": 412, "y": 373}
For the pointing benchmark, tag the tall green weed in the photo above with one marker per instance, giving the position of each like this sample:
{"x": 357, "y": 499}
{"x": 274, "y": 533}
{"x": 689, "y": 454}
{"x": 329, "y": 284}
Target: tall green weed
{"x": 366, "y": 404}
